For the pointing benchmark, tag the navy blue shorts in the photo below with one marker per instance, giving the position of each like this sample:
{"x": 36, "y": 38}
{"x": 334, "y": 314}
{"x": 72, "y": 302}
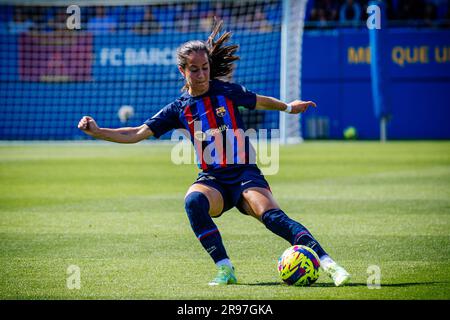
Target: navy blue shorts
{"x": 232, "y": 181}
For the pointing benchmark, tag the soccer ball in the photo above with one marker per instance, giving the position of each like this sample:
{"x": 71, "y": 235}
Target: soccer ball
{"x": 125, "y": 113}
{"x": 350, "y": 133}
{"x": 299, "y": 266}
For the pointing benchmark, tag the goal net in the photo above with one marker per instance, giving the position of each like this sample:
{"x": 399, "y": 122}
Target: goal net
{"x": 116, "y": 61}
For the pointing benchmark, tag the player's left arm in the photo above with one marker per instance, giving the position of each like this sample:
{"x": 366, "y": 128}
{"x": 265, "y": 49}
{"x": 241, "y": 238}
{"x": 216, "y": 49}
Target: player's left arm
{"x": 270, "y": 103}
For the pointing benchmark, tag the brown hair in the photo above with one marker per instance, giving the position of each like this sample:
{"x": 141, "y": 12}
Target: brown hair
{"x": 221, "y": 57}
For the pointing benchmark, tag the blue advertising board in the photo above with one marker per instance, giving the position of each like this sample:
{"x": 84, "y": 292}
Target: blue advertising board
{"x": 336, "y": 73}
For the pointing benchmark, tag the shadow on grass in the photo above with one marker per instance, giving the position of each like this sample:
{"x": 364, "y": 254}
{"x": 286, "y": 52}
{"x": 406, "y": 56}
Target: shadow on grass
{"x": 331, "y": 285}
{"x": 388, "y": 285}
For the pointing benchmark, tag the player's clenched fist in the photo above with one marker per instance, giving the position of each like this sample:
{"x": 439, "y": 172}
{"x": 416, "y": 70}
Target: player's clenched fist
{"x": 88, "y": 125}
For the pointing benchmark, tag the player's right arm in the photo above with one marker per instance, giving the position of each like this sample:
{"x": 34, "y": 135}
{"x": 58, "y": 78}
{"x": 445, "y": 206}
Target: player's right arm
{"x": 120, "y": 135}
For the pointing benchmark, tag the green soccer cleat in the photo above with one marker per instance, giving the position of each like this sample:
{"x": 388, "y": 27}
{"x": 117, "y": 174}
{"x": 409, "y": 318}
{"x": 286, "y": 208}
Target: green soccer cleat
{"x": 339, "y": 275}
{"x": 225, "y": 275}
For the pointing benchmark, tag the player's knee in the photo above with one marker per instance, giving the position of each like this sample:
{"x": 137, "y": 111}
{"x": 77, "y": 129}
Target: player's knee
{"x": 197, "y": 206}
{"x": 196, "y": 201}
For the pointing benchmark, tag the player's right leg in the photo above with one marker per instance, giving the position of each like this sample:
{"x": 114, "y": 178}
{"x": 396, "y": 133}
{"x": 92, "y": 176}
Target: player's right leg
{"x": 259, "y": 203}
{"x": 201, "y": 203}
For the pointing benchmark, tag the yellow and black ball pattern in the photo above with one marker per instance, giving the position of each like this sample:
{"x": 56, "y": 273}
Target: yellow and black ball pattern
{"x": 299, "y": 266}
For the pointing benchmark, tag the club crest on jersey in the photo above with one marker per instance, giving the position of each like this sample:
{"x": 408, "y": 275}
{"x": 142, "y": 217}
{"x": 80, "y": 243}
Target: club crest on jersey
{"x": 220, "y": 111}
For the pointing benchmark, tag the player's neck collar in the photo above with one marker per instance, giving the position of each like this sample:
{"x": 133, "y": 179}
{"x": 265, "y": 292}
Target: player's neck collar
{"x": 188, "y": 95}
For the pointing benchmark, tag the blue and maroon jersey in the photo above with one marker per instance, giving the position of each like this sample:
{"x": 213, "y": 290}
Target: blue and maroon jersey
{"x": 212, "y": 122}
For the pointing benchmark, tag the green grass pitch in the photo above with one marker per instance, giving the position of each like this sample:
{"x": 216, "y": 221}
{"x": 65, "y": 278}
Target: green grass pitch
{"x": 116, "y": 212}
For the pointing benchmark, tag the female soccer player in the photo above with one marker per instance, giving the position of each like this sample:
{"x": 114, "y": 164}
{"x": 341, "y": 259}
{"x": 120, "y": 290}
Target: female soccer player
{"x": 209, "y": 106}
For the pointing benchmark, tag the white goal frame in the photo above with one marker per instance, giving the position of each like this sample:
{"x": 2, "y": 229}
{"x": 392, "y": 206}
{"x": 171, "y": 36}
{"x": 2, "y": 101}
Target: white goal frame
{"x": 291, "y": 63}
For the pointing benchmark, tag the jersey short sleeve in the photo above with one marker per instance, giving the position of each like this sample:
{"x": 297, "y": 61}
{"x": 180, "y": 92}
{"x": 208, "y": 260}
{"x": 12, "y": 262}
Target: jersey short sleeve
{"x": 164, "y": 121}
{"x": 242, "y": 96}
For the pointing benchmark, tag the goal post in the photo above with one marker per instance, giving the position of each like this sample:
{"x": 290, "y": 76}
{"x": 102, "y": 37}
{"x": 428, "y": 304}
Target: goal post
{"x": 291, "y": 63}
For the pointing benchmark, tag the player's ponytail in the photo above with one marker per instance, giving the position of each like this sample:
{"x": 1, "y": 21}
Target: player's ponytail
{"x": 221, "y": 57}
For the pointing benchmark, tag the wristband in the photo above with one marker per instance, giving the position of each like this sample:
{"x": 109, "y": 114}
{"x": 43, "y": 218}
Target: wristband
{"x": 288, "y": 108}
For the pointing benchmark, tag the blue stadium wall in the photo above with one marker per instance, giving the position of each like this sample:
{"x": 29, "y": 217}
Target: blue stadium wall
{"x": 336, "y": 74}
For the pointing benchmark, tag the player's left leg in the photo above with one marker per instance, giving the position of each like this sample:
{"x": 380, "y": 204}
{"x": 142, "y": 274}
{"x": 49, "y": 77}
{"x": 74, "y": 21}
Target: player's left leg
{"x": 259, "y": 203}
{"x": 202, "y": 202}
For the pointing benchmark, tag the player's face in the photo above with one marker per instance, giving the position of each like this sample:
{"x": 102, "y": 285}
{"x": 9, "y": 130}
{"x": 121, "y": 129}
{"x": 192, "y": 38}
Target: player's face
{"x": 196, "y": 73}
